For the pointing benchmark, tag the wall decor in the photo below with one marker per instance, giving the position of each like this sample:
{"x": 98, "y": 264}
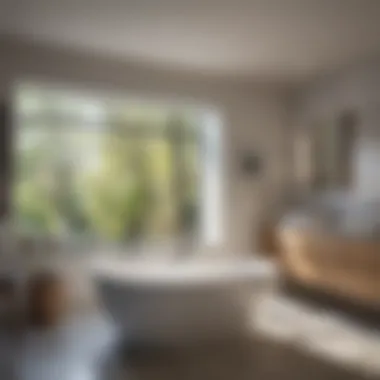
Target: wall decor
{"x": 250, "y": 164}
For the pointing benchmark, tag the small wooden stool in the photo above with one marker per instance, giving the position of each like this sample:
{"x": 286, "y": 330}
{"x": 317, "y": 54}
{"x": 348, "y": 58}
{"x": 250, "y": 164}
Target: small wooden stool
{"x": 47, "y": 300}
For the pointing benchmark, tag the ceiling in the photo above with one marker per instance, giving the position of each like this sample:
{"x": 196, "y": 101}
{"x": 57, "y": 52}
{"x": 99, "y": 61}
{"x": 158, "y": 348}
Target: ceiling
{"x": 289, "y": 40}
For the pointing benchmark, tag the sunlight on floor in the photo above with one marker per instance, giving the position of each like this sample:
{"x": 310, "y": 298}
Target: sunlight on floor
{"x": 319, "y": 332}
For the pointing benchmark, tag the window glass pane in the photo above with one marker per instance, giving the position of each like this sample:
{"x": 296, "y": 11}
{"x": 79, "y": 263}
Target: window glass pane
{"x": 119, "y": 174}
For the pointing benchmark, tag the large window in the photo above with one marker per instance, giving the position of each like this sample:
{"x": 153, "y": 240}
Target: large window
{"x": 101, "y": 169}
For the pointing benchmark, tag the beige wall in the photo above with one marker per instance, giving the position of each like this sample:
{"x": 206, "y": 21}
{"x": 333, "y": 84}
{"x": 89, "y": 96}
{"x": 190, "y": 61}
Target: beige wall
{"x": 355, "y": 88}
{"x": 254, "y": 118}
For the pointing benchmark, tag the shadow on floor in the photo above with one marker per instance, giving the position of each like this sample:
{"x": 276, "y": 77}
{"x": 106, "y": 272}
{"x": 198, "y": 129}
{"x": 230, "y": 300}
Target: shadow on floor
{"x": 252, "y": 358}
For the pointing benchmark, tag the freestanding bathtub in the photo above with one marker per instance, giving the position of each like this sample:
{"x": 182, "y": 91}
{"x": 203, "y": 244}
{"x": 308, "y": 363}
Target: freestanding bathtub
{"x": 184, "y": 300}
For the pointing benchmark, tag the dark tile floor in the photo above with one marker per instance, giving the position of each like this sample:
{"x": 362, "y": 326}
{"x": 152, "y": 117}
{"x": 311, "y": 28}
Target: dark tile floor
{"x": 235, "y": 360}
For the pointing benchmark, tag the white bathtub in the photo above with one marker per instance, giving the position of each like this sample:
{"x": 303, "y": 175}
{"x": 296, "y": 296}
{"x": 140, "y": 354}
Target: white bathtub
{"x": 184, "y": 300}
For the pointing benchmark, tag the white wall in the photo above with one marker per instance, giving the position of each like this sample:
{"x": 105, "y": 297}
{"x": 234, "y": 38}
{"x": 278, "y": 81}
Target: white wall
{"x": 254, "y": 118}
{"x": 355, "y": 88}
